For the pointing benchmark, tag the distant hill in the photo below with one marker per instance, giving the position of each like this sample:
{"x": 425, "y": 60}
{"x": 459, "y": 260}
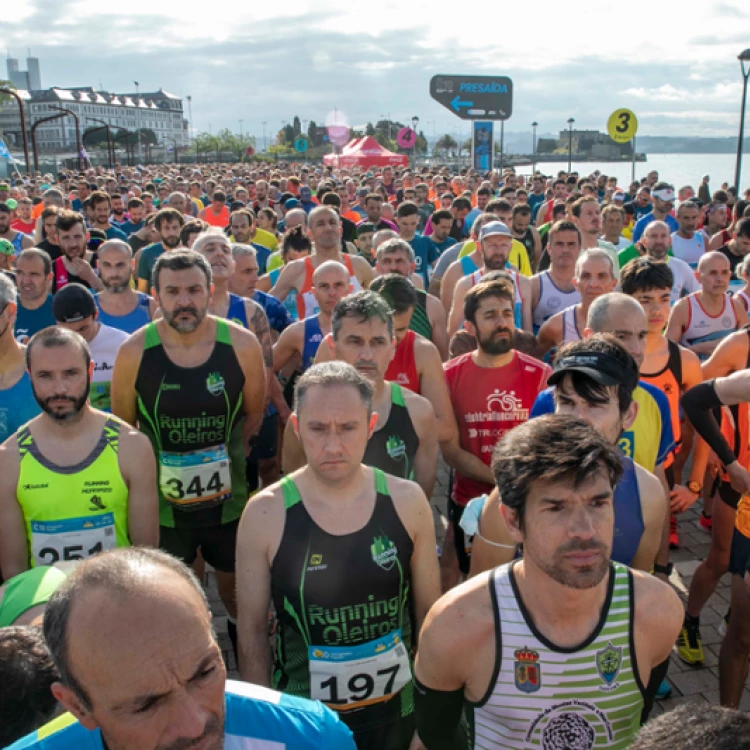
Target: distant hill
{"x": 688, "y": 145}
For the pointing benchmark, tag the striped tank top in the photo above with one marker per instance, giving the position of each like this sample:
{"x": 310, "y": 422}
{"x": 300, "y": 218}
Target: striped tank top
{"x": 552, "y": 698}
{"x": 702, "y": 326}
{"x": 551, "y": 300}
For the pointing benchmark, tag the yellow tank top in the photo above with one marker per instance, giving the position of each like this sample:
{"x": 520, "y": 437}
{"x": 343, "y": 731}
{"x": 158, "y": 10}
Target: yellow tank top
{"x": 73, "y": 512}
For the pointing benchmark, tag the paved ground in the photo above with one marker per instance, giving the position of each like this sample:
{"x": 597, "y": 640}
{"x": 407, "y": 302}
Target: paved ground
{"x": 693, "y": 684}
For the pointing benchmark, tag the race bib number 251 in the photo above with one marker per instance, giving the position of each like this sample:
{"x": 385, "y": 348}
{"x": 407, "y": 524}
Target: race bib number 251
{"x": 72, "y": 538}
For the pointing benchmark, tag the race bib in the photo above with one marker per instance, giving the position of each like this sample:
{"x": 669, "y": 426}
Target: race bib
{"x": 72, "y": 539}
{"x": 197, "y": 477}
{"x": 348, "y": 677}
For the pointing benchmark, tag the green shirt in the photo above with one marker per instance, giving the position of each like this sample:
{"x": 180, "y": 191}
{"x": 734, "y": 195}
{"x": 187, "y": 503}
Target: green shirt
{"x": 631, "y": 253}
{"x": 147, "y": 261}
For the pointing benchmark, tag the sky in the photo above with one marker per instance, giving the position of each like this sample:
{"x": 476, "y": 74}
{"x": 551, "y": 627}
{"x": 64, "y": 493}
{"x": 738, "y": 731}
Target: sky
{"x": 674, "y": 65}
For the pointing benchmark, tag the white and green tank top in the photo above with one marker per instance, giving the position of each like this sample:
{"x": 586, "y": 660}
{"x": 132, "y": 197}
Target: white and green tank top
{"x": 546, "y": 697}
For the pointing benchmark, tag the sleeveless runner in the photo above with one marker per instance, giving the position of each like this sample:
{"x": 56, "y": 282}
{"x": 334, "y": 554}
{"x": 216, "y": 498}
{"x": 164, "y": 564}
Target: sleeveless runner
{"x": 743, "y": 297}
{"x": 705, "y": 327}
{"x": 551, "y": 300}
{"x": 403, "y": 367}
{"x": 629, "y": 526}
{"x": 312, "y": 337}
{"x": 420, "y": 320}
{"x": 73, "y": 512}
{"x": 17, "y": 406}
{"x": 220, "y": 220}
{"x": 545, "y": 696}
{"x": 307, "y": 305}
{"x": 28, "y": 590}
{"x": 137, "y": 318}
{"x": 193, "y": 418}
{"x": 393, "y": 447}
{"x": 476, "y": 277}
{"x": 347, "y": 646}
{"x": 290, "y": 302}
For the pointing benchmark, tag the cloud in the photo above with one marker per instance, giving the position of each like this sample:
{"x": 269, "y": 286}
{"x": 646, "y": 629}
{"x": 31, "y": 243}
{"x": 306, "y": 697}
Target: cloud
{"x": 269, "y": 62}
{"x": 728, "y": 10}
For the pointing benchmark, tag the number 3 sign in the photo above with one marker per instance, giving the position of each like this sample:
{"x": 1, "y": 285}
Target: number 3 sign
{"x": 622, "y": 126}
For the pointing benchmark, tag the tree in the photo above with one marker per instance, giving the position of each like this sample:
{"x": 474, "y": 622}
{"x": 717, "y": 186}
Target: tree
{"x": 297, "y": 126}
{"x": 445, "y": 144}
{"x": 94, "y": 137}
{"x": 312, "y": 134}
{"x": 148, "y": 137}
{"x": 546, "y": 145}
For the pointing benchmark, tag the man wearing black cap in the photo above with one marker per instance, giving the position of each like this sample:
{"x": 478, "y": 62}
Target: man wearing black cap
{"x": 74, "y": 308}
{"x": 595, "y": 379}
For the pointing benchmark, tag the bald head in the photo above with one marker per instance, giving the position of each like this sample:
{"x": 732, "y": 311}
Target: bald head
{"x": 130, "y": 594}
{"x": 295, "y": 218}
{"x": 712, "y": 260}
{"x": 330, "y": 267}
{"x": 606, "y": 312}
{"x": 114, "y": 246}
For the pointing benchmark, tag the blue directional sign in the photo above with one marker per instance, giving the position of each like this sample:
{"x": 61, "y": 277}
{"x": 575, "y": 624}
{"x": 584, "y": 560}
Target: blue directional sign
{"x": 474, "y": 97}
{"x": 301, "y": 144}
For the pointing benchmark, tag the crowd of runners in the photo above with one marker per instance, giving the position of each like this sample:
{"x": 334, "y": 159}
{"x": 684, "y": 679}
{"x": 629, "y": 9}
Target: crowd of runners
{"x": 258, "y": 369}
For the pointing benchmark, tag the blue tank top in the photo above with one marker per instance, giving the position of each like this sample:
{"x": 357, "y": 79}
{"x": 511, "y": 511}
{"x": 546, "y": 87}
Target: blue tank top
{"x": 629, "y": 524}
{"x": 130, "y": 323}
{"x": 28, "y": 322}
{"x": 17, "y": 406}
{"x": 237, "y": 313}
{"x": 313, "y": 336}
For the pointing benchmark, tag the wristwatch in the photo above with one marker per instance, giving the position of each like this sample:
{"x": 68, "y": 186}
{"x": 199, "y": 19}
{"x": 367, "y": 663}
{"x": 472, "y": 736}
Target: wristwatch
{"x": 695, "y": 487}
{"x": 664, "y": 569}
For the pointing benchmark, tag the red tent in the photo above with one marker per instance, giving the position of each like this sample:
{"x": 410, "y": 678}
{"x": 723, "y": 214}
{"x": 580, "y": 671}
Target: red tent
{"x": 365, "y": 152}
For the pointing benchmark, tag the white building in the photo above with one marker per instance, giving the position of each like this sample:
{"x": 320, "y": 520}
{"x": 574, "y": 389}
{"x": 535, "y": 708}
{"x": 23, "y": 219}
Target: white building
{"x": 160, "y": 112}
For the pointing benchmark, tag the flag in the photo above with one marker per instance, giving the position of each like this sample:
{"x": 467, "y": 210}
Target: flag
{"x": 4, "y": 153}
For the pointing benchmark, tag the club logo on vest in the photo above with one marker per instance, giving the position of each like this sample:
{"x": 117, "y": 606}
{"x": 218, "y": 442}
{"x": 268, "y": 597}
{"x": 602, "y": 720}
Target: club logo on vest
{"x": 316, "y": 563}
{"x": 505, "y": 400}
{"x": 215, "y": 384}
{"x": 608, "y": 663}
{"x": 527, "y": 672}
{"x": 726, "y": 322}
{"x": 395, "y": 447}
{"x": 384, "y": 552}
{"x": 97, "y": 503}
{"x": 568, "y": 731}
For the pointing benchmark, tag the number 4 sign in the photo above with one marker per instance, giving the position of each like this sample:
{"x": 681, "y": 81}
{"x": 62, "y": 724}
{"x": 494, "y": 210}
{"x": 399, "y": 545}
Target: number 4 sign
{"x": 622, "y": 126}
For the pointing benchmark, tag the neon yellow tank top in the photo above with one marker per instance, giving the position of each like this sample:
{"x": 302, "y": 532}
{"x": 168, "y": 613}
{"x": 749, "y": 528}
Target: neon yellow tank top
{"x": 73, "y": 512}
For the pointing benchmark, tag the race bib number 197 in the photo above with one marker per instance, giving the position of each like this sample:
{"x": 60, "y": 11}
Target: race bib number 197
{"x": 348, "y": 677}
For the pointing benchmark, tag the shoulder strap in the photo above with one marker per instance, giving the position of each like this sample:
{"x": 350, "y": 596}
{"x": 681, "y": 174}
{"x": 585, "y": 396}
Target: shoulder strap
{"x": 675, "y": 361}
{"x": 152, "y": 338}
{"x": 25, "y": 440}
{"x": 348, "y": 263}
{"x": 381, "y": 482}
{"x": 112, "y": 429}
{"x": 291, "y": 493}
{"x": 397, "y": 395}
{"x": 222, "y": 332}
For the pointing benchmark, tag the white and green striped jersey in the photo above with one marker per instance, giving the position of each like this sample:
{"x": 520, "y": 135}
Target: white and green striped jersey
{"x": 546, "y": 697}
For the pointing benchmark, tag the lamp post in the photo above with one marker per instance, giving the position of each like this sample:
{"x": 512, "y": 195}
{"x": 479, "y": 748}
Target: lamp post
{"x": 570, "y": 145}
{"x": 33, "y": 136}
{"x": 240, "y": 122}
{"x": 743, "y": 58}
{"x": 533, "y": 147}
{"x": 24, "y": 134}
{"x": 414, "y": 126}
{"x": 138, "y": 121}
{"x": 265, "y": 145}
{"x": 78, "y": 132}
{"x": 110, "y": 148}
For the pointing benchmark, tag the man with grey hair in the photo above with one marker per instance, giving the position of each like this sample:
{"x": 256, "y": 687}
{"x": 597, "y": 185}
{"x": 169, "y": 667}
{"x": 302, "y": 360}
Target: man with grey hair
{"x": 117, "y": 689}
{"x": 17, "y": 402}
{"x": 594, "y": 276}
{"x": 335, "y": 520}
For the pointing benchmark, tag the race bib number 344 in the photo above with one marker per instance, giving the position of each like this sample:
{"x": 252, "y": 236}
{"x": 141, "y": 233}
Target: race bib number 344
{"x": 349, "y": 677}
{"x": 197, "y": 477}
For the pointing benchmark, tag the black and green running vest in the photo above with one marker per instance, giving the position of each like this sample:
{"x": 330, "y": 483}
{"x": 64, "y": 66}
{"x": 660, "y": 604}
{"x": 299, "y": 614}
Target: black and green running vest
{"x": 343, "y": 608}
{"x": 393, "y": 447}
{"x": 420, "y": 321}
{"x": 193, "y": 418}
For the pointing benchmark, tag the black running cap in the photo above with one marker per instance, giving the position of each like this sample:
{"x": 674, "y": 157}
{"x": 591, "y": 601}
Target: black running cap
{"x": 73, "y": 303}
{"x": 600, "y": 367}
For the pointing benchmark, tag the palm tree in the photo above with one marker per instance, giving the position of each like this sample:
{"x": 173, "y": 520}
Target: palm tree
{"x": 446, "y": 144}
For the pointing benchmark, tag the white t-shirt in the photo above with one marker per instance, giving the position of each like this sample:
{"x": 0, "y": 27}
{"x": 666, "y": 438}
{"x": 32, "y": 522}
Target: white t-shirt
{"x": 104, "y": 348}
{"x": 684, "y": 279}
{"x": 690, "y": 250}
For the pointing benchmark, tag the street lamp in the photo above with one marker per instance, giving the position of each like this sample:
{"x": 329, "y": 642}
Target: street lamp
{"x": 570, "y": 145}
{"x": 24, "y": 134}
{"x": 240, "y": 122}
{"x": 533, "y": 147}
{"x": 414, "y": 126}
{"x": 743, "y": 58}
{"x": 78, "y": 132}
